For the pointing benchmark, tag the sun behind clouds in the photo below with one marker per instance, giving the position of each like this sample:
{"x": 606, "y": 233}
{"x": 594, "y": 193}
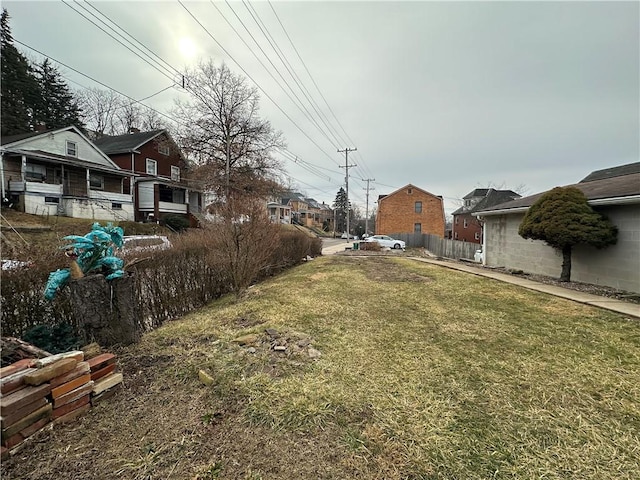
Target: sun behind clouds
{"x": 187, "y": 48}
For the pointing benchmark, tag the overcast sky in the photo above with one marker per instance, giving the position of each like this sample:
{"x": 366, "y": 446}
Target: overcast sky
{"x": 448, "y": 96}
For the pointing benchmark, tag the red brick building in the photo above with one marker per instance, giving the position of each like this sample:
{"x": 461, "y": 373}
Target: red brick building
{"x": 468, "y": 228}
{"x": 410, "y": 210}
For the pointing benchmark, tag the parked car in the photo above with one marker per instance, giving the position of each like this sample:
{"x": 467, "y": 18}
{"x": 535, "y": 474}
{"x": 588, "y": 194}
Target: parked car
{"x": 386, "y": 241}
{"x": 344, "y": 236}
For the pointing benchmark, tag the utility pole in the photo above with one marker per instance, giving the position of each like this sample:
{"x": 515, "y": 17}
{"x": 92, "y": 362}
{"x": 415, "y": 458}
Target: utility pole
{"x": 366, "y": 218}
{"x": 346, "y": 178}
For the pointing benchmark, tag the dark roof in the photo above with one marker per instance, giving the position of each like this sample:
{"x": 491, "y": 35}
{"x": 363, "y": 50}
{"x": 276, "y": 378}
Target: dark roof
{"x": 618, "y": 186}
{"x": 478, "y": 192}
{"x": 16, "y": 138}
{"x": 612, "y": 172}
{"x": 125, "y": 143}
{"x": 491, "y": 197}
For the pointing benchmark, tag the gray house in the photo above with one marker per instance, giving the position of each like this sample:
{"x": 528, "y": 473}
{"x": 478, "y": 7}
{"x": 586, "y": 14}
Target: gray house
{"x": 614, "y": 192}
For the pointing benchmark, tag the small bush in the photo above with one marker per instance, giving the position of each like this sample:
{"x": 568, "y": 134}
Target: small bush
{"x": 177, "y": 223}
{"x": 53, "y": 338}
{"x": 370, "y": 246}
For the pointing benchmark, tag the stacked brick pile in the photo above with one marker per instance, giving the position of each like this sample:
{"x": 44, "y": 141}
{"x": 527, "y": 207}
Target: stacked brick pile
{"x": 54, "y": 389}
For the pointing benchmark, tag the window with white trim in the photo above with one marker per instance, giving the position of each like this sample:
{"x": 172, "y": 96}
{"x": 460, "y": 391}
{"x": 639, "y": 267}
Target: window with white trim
{"x": 175, "y": 173}
{"x": 116, "y": 206}
{"x": 477, "y": 236}
{"x": 96, "y": 182}
{"x": 466, "y": 223}
{"x": 152, "y": 167}
{"x": 72, "y": 149}
{"x": 163, "y": 148}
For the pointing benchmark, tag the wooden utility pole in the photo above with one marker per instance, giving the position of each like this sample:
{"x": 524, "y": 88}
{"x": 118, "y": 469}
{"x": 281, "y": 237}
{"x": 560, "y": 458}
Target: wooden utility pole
{"x": 346, "y": 179}
{"x": 366, "y": 218}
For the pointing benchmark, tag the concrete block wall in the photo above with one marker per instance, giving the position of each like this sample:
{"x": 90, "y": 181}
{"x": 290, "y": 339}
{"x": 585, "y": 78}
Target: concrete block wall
{"x": 617, "y": 266}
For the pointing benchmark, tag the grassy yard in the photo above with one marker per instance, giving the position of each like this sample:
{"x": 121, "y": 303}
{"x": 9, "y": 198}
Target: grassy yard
{"x": 424, "y": 373}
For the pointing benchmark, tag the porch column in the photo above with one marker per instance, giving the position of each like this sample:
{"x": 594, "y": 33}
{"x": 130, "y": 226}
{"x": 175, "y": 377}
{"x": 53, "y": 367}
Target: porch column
{"x": 23, "y": 169}
{"x": 88, "y": 182}
{"x": 2, "y": 175}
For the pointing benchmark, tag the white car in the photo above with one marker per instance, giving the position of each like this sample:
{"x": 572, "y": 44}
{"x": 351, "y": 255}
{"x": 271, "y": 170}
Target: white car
{"x": 386, "y": 241}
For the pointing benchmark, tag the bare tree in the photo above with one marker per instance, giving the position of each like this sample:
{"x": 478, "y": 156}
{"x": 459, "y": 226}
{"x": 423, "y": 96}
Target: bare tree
{"x": 222, "y": 130}
{"x": 99, "y": 108}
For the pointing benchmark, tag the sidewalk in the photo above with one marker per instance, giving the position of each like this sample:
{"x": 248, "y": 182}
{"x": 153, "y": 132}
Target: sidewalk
{"x": 624, "y": 308}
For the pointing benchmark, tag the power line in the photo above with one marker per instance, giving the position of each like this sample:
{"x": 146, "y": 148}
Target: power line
{"x": 256, "y": 83}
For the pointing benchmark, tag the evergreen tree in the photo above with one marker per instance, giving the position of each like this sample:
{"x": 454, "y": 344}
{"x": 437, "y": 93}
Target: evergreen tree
{"x": 341, "y": 207}
{"x": 56, "y": 107}
{"x": 19, "y": 85}
{"x": 563, "y": 218}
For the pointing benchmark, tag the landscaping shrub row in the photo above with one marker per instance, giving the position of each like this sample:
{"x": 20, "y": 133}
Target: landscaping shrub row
{"x": 168, "y": 283}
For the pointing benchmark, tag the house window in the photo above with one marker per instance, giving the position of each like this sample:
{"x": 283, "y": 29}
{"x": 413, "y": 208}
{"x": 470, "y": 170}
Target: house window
{"x": 72, "y": 149}
{"x": 152, "y": 167}
{"x": 409, "y": 191}
{"x": 466, "y": 223}
{"x": 96, "y": 182}
{"x": 175, "y": 173}
{"x": 418, "y": 207}
{"x": 51, "y": 200}
{"x": 417, "y": 228}
{"x": 477, "y": 236}
{"x": 455, "y": 235}
{"x": 35, "y": 173}
{"x": 116, "y": 206}
{"x": 163, "y": 148}
{"x": 456, "y": 220}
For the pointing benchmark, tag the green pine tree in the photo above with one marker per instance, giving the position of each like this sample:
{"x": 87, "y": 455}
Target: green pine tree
{"x": 56, "y": 107}
{"x": 562, "y": 218}
{"x": 19, "y": 85}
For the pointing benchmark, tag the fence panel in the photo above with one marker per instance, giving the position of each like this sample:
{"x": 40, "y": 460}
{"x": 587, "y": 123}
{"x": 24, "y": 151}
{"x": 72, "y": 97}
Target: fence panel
{"x": 441, "y": 247}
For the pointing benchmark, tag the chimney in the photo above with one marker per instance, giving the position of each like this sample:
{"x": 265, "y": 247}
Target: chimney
{"x": 134, "y": 130}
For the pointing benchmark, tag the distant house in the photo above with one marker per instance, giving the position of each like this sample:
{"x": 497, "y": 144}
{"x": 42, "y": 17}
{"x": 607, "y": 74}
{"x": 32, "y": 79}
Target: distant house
{"x": 410, "y": 210}
{"x": 61, "y": 172}
{"x": 468, "y": 228}
{"x": 614, "y": 192}
{"x": 279, "y": 212}
{"x": 159, "y": 187}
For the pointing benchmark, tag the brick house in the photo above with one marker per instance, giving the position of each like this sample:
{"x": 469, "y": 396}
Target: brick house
{"x": 410, "y": 210}
{"x": 159, "y": 187}
{"x": 468, "y": 228}
{"x": 61, "y": 172}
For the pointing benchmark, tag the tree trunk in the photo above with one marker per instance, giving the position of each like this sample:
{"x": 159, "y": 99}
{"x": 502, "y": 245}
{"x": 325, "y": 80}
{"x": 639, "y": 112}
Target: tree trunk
{"x": 565, "y": 276}
{"x": 106, "y": 310}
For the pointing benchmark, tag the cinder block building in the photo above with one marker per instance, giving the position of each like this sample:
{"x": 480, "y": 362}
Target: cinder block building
{"x": 410, "y": 210}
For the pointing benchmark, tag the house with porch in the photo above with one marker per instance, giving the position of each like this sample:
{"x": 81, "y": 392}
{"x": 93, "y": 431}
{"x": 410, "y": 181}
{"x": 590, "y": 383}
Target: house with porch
{"x": 158, "y": 166}
{"x": 614, "y": 192}
{"x": 61, "y": 172}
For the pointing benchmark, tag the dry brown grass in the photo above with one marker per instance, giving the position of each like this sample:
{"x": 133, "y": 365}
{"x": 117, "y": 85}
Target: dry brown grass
{"x": 445, "y": 376}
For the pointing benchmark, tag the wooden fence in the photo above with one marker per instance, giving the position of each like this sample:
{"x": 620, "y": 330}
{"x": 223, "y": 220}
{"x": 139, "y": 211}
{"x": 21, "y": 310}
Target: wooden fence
{"x": 441, "y": 247}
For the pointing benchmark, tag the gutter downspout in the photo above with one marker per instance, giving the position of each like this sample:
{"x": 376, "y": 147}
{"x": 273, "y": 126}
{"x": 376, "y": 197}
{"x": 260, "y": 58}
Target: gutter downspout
{"x": 2, "y": 175}
{"x": 484, "y": 240}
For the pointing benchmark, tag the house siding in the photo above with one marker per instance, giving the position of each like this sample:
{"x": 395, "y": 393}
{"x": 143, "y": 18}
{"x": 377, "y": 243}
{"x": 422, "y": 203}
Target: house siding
{"x": 617, "y": 266}
{"x": 396, "y": 213}
{"x": 467, "y": 234}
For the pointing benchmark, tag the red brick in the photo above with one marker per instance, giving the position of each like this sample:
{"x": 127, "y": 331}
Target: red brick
{"x": 96, "y": 363}
{"x": 81, "y": 369}
{"x": 72, "y": 385}
{"x": 30, "y": 430}
{"x": 16, "y": 367}
{"x": 69, "y": 407}
{"x": 72, "y": 415}
{"x": 50, "y": 371}
{"x": 9, "y": 420}
{"x": 13, "y": 441}
{"x": 44, "y": 412}
{"x": 73, "y": 395}
{"x": 16, "y": 400}
{"x": 14, "y": 382}
{"x": 397, "y": 213}
{"x": 103, "y": 372}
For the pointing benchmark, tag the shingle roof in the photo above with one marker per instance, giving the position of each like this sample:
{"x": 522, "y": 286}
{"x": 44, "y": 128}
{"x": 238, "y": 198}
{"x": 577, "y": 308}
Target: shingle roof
{"x": 15, "y": 138}
{"x": 125, "y": 143}
{"x": 607, "y": 187}
{"x": 612, "y": 172}
{"x": 478, "y": 192}
{"x": 491, "y": 197}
